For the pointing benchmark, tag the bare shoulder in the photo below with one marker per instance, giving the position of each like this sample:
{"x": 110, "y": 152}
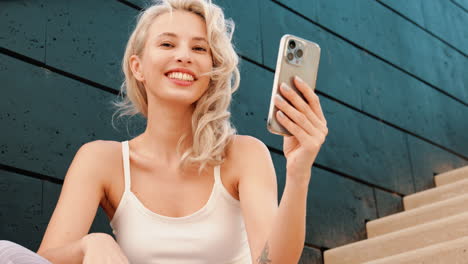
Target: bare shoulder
{"x": 102, "y": 150}
{"x": 246, "y": 139}
{"x": 102, "y": 158}
{"x": 102, "y": 155}
{"x": 87, "y": 176}
{"x": 244, "y": 149}
{"x": 100, "y": 147}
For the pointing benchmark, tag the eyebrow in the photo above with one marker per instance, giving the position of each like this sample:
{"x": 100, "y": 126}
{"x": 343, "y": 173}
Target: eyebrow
{"x": 170, "y": 34}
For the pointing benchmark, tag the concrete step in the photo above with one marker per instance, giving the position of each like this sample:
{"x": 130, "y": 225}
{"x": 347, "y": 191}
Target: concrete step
{"x": 451, "y": 176}
{"x": 394, "y": 243}
{"x": 435, "y": 194}
{"x": 421, "y": 215}
{"x": 453, "y": 252}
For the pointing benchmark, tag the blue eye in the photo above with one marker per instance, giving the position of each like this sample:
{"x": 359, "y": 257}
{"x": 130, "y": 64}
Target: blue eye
{"x": 200, "y": 48}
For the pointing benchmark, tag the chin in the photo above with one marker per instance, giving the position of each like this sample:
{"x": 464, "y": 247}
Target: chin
{"x": 188, "y": 94}
{"x": 180, "y": 97}
{"x": 178, "y": 94}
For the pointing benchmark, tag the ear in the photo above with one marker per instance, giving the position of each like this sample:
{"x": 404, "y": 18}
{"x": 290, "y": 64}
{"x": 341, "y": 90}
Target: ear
{"x": 135, "y": 66}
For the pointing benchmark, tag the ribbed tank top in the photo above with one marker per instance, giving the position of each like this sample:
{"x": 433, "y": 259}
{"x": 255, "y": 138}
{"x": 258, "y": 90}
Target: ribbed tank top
{"x": 214, "y": 234}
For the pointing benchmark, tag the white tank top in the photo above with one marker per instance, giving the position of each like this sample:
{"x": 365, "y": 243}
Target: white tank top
{"x": 214, "y": 234}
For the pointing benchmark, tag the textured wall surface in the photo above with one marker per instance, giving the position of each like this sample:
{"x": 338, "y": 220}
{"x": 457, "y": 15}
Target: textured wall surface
{"x": 392, "y": 82}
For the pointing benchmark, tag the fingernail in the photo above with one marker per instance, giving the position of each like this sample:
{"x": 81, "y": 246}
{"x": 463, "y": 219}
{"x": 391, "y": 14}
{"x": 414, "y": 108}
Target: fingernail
{"x": 280, "y": 113}
{"x": 285, "y": 87}
{"x": 299, "y": 79}
{"x": 278, "y": 97}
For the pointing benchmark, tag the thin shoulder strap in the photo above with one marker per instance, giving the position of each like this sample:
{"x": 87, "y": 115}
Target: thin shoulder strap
{"x": 217, "y": 174}
{"x": 126, "y": 163}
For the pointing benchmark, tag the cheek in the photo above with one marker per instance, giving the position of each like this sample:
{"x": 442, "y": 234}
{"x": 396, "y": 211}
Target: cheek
{"x": 155, "y": 60}
{"x": 205, "y": 66}
{"x": 208, "y": 63}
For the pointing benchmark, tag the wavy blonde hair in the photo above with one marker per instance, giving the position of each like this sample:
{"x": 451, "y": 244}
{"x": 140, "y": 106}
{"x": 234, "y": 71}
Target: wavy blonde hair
{"x": 211, "y": 127}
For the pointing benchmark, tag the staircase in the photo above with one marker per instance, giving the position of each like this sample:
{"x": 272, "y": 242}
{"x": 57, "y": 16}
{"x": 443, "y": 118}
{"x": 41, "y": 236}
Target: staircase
{"x": 432, "y": 229}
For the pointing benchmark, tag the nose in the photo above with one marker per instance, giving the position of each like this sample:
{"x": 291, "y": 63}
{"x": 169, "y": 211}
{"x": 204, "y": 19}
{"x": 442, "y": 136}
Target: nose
{"x": 183, "y": 55}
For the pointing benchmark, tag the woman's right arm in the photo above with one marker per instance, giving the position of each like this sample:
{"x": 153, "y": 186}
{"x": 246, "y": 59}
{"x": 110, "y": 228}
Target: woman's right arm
{"x": 66, "y": 239}
{"x": 95, "y": 248}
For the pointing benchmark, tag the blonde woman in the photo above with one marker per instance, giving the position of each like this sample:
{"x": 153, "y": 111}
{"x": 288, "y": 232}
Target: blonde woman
{"x": 188, "y": 189}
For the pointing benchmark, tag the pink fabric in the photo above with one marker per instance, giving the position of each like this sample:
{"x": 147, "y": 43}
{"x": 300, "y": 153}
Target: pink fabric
{"x": 12, "y": 253}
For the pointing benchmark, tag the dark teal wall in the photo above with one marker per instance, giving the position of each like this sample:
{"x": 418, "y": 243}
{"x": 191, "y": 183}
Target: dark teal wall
{"x": 392, "y": 82}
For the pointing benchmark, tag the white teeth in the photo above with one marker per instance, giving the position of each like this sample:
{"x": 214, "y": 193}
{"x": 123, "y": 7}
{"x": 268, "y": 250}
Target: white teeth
{"x": 180, "y": 76}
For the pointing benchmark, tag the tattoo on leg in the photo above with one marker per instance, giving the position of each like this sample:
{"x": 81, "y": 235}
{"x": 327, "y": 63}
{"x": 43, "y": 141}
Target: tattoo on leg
{"x": 263, "y": 258}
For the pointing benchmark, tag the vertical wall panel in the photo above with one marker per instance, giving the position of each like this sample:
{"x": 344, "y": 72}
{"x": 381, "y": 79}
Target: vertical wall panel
{"x": 24, "y": 36}
{"x": 381, "y": 31}
{"x": 428, "y": 160}
{"x": 366, "y": 82}
{"x": 440, "y": 17}
{"x": 49, "y": 117}
{"x": 311, "y": 256}
{"x": 337, "y": 208}
{"x": 387, "y": 203}
{"x": 462, "y": 4}
{"x": 88, "y": 38}
{"x": 20, "y": 218}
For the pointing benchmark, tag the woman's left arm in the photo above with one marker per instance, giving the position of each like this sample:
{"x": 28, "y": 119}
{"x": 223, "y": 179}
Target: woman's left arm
{"x": 277, "y": 235}
{"x": 308, "y": 126}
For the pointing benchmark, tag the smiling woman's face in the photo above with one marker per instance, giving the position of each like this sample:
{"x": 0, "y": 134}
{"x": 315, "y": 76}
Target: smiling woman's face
{"x": 176, "y": 53}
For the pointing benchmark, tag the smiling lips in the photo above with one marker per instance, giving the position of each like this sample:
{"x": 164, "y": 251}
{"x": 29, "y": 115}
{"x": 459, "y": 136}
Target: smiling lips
{"x": 181, "y": 76}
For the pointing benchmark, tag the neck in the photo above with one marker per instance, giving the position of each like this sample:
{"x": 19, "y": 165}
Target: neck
{"x": 166, "y": 124}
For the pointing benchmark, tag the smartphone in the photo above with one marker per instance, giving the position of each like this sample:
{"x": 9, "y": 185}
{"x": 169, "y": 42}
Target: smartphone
{"x": 296, "y": 56}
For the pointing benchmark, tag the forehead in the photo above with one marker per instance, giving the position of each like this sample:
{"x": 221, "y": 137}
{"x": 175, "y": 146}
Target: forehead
{"x": 182, "y": 23}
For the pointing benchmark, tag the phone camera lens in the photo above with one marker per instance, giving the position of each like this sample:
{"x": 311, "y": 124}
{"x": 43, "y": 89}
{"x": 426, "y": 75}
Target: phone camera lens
{"x": 292, "y": 44}
{"x": 290, "y": 56}
{"x": 299, "y": 53}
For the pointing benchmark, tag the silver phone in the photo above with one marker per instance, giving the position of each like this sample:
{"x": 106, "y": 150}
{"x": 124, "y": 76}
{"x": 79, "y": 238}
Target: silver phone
{"x": 296, "y": 56}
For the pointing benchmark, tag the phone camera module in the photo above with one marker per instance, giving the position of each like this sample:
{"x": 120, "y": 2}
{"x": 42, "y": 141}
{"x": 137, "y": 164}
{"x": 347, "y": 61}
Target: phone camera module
{"x": 299, "y": 53}
{"x": 294, "y": 52}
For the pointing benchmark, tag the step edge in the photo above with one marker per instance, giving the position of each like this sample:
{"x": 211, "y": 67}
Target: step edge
{"x": 429, "y": 251}
{"x": 417, "y": 210}
{"x": 415, "y": 229}
{"x": 417, "y": 224}
{"x": 435, "y": 195}
{"x": 436, "y": 189}
{"x": 448, "y": 176}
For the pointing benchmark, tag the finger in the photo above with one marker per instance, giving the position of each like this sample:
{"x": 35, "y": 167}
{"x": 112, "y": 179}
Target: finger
{"x": 311, "y": 97}
{"x": 297, "y": 117}
{"x": 296, "y": 100}
{"x": 294, "y": 129}
{"x": 301, "y": 105}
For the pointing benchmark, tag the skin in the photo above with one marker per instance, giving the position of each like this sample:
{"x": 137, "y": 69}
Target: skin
{"x": 307, "y": 124}
{"x": 275, "y": 234}
{"x": 169, "y": 114}
{"x": 169, "y": 105}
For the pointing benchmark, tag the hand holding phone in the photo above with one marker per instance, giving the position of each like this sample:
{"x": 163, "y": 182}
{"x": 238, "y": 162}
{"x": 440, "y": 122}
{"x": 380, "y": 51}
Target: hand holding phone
{"x": 296, "y": 56}
{"x": 295, "y": 110}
